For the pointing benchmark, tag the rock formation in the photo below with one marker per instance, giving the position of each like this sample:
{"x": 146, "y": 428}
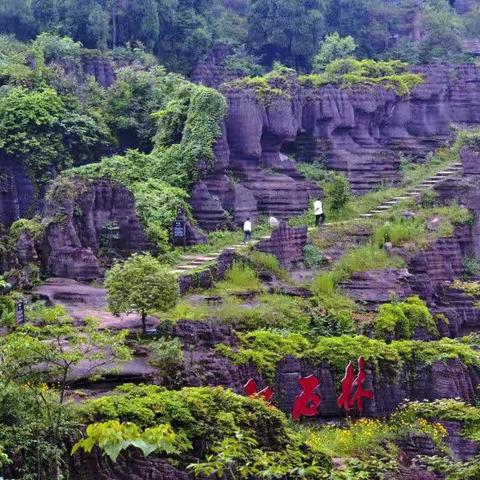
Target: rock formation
{"x": 359, "y": 131}
{"x": 17, "y": 194}
{"x": 414, "y": 380}
{"x": 286, "y": 243}
{"x": 97, "y": 219}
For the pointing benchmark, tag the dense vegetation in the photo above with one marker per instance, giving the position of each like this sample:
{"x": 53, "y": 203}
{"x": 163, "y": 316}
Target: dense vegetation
{"x": 62, "y": 376}
{"x": 261, "y": 31}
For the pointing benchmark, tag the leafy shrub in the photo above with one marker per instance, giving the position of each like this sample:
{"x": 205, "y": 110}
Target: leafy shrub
{"x": 265, "y": 349}
{"x": 401, "y": 230}
{"x": 400, "y": 319}
{"x": 113, "y": 437}
{"x": 167, "y": 355}
{"x": 470, "y": 266}
{"x": 312, "y": 256}
{"x": 332, "y": 322}
{"x": 338, "y": 192}
{"x": 428, "y": 198}
{"x": 32, "y": 227}
{"x": 391, "y": 74}
{"x": 200, "y": 414}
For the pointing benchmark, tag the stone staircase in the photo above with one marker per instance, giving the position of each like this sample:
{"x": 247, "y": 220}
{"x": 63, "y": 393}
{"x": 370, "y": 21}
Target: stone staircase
{"x": 427, "y": 184}
{"x": 191, "y": 262}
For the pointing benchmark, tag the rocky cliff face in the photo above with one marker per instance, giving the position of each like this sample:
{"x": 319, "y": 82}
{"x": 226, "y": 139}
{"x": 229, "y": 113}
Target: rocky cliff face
{"x": 93, "y": 223}
{"x": 17, "y": 194}
{"x": 359, "y": 131}
{"x": 414, "y": 380}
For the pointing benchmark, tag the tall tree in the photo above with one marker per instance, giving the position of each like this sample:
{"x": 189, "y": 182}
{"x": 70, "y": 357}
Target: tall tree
{"x": 285, "y": 30}
{"x": 45, "y": 13}
{"x": 369, "y": 22}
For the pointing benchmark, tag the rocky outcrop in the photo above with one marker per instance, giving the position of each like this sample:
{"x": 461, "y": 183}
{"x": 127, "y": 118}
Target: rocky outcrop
{"x": 413, "y": 380}
{"x": 132, "y": 466}
{"x": 17, "y": 193}
{"x": 359, "y": 131}
{"x": 212, "y": 71}
{"x": 101, "y": 69}
{"x": 286, "y": 243}
{"x": 87, "y": 221}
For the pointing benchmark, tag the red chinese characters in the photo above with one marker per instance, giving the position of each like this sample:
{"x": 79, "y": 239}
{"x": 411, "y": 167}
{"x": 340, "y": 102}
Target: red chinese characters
{"x": 251, "y": 387}
{"x": 353, "y": 391}
{"x": 307, "y": 403}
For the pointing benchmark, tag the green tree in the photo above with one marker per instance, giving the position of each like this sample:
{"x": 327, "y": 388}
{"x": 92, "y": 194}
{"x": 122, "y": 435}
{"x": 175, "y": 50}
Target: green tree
{"x": 285, "y": 30}
{"x": 30, "y": 131}
{"x": 443, "y": 38}
{"x": 50, "y": 346}
{"x": 332, "y": 48}
{"x": 49, "y": 133}
{"x": 142, "y": 285}
{"x": 45, "y": 13}
{"x": 369, "y": 22}
{"x": 35, "y": 418}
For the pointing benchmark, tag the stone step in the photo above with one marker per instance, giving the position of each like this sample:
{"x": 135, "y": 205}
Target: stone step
{"x": 383, "y": 207}
{"x": 188, "y": 258}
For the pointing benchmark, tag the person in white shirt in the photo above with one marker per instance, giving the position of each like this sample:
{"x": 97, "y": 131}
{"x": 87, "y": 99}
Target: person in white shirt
{"x": 318, "y": 210}
{"x": 247, "y": 230}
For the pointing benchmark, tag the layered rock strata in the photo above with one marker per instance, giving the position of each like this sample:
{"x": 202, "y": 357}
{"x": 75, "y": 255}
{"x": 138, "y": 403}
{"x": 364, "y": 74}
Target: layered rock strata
{"x": 99, "y": 220}
{"x": 359, "y": 131}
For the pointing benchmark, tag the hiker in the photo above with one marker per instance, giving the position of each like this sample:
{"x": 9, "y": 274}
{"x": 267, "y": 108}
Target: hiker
{"x": 318, "y": 210}
{"x": 247, "y": 230}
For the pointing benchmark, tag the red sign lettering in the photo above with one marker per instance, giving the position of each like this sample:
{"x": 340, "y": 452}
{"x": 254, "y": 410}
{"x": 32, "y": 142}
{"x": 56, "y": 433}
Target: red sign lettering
{"x": 307, "y": 403}
{"x": 251, "y": 387}
{"x": 353, "y": 392}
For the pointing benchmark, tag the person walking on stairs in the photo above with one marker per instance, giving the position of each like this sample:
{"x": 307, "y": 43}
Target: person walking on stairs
{"x": 247, "y": 230}
{"x": 318, "y": 210}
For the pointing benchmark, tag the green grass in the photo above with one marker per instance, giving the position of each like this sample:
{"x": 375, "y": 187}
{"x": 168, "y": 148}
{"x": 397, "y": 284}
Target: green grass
{"x": 239, "y": 277}
{"x": 401, "y": 230}
{"x": 265, "y": 349}
{"x": 268, "y": 262}
{"x": 360, "y": 259}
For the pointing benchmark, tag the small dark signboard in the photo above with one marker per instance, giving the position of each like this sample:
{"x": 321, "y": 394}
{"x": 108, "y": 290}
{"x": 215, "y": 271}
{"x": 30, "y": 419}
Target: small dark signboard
{"x": 179, "y": 236}
{"x": 20, "y": 313}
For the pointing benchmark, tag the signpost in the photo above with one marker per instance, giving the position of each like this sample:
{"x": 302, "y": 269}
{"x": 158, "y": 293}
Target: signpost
{"x": 20, "y": 312}
{"x": 179, "y": 231}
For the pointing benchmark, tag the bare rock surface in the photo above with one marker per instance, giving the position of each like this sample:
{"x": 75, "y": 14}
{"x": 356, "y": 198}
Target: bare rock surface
{"x": 99, "y": 220}
{"x": 84, "y": 301}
